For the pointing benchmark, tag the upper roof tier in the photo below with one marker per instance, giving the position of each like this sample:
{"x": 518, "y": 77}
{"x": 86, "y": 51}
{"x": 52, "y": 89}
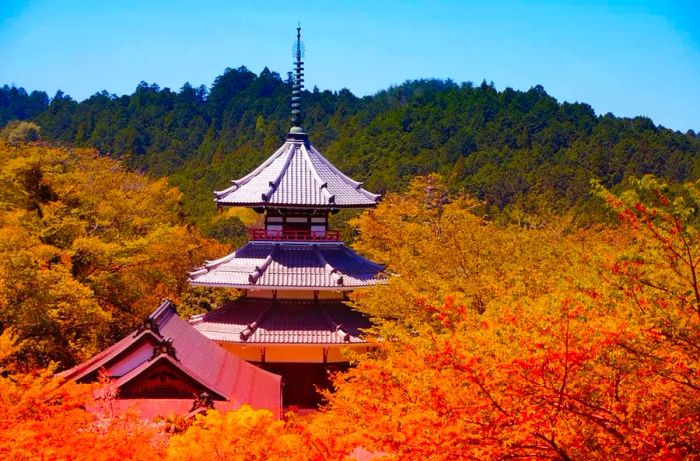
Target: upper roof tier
{"x": 296, "y": 176}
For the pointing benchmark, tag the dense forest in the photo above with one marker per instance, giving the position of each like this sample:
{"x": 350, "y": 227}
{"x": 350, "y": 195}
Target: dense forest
{"x": 512, "y": 149}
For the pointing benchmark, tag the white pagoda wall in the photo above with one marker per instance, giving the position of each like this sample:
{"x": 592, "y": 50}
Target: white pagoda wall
{"x": 296, "y": 294}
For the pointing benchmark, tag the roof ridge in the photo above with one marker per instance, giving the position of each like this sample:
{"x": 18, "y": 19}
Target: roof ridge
{"x": 252, "y": 327}
{"x": 276, "y": 183}
{"x": 337, "y": 326}
{"x": 254, "y": 276}
{"x": 332, "y": 271}
{"x": 323, "y": 185}
{"x": 214, "y": 263}
{"x": 162, "y": 309}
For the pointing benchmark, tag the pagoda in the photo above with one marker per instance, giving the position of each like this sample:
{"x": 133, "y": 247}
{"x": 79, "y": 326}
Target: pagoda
{"x": 295, "y": 272}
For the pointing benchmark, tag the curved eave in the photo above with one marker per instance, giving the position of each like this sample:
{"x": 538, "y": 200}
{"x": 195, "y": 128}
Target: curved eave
{"x": 356, "y": 341}
{"x": 256, "y": 287}
{"x": 294, "y": 205}
{"x": 328, "y": 266}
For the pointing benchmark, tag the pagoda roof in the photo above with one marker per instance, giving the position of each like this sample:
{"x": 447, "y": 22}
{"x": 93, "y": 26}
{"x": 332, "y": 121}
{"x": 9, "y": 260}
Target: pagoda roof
{"x": 167, "y": 339}
{"x": 296, "y": 175}
{"x": 291, "y": 266}
{"x": 266, "y": 321}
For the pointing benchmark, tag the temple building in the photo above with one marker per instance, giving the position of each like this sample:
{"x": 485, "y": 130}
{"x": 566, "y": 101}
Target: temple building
{"x": 295, "y": 271}
{"x": 166, "y": 366}
{"x": 275, "y": 345}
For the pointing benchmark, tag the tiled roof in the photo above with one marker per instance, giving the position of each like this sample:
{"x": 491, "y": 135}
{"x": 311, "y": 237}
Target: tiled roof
{"x": 296, "y": 175}
{"x": 266, "y": 321}
{"x": 292, "y": 265}
{"x": 198, "y": 357}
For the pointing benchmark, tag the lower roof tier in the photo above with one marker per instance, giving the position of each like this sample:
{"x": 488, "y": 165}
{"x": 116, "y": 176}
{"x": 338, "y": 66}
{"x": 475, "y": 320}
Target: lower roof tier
{"x": 269, "y": 321}
{"x": 272, "y": 265}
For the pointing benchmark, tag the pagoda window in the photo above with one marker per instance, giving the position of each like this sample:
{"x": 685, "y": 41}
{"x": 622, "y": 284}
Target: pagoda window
{"x": 274, "y": 225}
{"x": 318, "y": 227}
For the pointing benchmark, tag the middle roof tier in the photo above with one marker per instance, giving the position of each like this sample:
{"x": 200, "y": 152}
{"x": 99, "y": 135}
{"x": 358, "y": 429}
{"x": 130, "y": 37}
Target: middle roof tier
{"x": 290, "y": 266}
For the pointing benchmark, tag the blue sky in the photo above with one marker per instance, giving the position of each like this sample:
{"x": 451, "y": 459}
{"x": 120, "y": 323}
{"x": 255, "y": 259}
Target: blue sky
{"x": 625, "y": 57}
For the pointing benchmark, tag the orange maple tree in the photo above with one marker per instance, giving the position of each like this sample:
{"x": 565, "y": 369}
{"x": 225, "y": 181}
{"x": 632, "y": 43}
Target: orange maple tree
{"x": 44, "y": 417}
{"x": 601, "y": 368}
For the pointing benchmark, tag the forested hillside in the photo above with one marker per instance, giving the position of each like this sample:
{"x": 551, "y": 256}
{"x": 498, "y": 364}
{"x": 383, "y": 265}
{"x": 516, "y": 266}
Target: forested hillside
{"x": 506, "y": 147}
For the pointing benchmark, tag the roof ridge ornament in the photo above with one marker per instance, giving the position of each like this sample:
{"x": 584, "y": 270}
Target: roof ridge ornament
{"x": 297, "y": 87}
{"x": 332, "y": 271}
{"x": 149, "y": 324}
{"x": 336, "y": 327}
{"x": 254, "y": 276}
{"x": 166, "y": 347}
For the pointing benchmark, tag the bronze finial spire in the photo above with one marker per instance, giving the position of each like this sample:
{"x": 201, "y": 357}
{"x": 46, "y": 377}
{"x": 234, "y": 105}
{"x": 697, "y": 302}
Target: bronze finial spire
{"x": 297, "y": 84}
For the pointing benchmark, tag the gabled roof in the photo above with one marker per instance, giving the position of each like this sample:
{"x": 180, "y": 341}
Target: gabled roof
{"x": 165, "y": 337}
{"x": 172, "y": 363}
{"x": 296, "y": 175}
{"x": 290, "y": 265}
{"x": 266, "y": 321}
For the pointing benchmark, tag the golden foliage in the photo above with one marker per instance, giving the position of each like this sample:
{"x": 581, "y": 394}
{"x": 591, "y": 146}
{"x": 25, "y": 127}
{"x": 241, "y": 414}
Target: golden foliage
{"x": 493, "y": 341}
{"x": 87, "y": 249}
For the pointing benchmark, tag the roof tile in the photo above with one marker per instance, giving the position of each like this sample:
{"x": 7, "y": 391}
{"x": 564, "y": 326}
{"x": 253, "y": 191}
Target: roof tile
{"x": 330, "y": 265}
{"x": 197, "y": 356}
{"x": 283, "y": 321}
{"x": 296, "y": 175}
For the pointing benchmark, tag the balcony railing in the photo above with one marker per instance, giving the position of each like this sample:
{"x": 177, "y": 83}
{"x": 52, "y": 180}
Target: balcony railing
{"x": 294, "y": 235}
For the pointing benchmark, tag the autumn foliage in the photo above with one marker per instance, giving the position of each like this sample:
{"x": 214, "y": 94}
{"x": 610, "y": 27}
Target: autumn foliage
{"x": 592, "y": 353}
{"x": 492, "y": 341}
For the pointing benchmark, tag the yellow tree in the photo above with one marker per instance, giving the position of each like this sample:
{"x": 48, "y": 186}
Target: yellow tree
{"x": 87, "y": 249}
{"x": 438, "y": 245}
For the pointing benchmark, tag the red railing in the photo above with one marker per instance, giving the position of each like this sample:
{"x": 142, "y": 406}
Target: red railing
{"x": 299, "y": 235}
